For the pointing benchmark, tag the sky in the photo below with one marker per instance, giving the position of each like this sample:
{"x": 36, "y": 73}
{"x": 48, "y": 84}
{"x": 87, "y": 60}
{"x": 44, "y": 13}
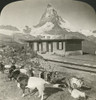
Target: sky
{"x": 29, "y": 12}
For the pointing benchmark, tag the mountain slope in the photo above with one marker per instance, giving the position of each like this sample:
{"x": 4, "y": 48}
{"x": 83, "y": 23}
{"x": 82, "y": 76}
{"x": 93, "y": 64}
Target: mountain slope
{"x": 4, "y": 37}
{"x": 8, "y": 41}
{"x": 53, "y": 25}
{"x": 20, "y": 37}
{"x": 9, "y": 27}
{"x": 89, "y": 47}
{"x": 92, "y": 38}
{"x": 50, "y": 15}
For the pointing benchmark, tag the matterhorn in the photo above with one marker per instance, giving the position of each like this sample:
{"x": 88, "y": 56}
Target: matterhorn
{"x": 51, "y": 25}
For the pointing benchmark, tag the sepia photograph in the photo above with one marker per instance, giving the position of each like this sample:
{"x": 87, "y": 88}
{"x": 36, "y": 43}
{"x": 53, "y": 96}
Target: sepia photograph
{"x": 47, "y": 49}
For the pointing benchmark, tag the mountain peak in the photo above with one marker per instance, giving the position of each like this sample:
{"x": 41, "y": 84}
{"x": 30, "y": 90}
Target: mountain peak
{"x": 50, "y": 15}
{"x": 53, "y": 24}
{"x": 49, "y": 5}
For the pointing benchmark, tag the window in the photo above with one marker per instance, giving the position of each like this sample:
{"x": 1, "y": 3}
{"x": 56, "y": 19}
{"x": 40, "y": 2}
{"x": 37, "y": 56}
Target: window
{"x": 60, "y": 45}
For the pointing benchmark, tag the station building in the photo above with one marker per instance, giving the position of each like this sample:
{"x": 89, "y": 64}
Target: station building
{"x": 56, "y": 46}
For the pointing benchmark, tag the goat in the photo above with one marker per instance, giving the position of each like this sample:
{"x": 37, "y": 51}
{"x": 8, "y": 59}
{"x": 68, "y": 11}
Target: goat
{"x": 30, "y": 83}
{"x": 75, "y": 83}
{"x": 30, "y": 72}
{"x": 44, "y": 75}
{"x": 61, "y": 86}
{"x": 13, "y": 73}
{"x": 7, "y": 66}
{"x": 37, "y": 83}
{"x": 25, "y": 82}
{"x": 25, "y": 71}
{"x": 48, "y": 76}
{"x": 41, "y": 74}
{"x": 75, "y": 93}
{"x": 11, "y": 69}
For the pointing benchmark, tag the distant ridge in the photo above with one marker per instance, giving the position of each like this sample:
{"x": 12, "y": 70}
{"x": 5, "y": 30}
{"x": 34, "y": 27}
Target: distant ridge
{"x": 9, "y": 27}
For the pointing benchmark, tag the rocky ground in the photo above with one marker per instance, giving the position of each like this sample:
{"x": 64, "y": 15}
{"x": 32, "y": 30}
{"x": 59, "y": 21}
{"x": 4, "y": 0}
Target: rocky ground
{"x": 10, "y": 91}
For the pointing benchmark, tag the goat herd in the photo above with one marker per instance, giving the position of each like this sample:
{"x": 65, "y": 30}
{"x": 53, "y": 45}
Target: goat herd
{"x": 26, "y": 79}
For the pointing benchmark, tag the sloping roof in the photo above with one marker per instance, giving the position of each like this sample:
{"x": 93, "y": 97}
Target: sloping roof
{"x": 53, "y": 40}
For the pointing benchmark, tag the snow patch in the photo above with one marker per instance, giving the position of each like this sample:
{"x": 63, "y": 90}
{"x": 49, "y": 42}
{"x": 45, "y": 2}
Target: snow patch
{"x": 41, "y": 30}
{"x": 67, "y": 26}
{"x": 8, "y": 32}
{"x": 86, "y": 32}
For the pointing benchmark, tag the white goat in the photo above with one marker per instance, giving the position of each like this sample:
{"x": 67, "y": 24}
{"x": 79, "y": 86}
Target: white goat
{"x": 24, "y": 71}
{"x": 77, "y": 94}
{"x": 76, "y": 83}
{"x": 35, "y": 82}
{"x": 7, "y": 66}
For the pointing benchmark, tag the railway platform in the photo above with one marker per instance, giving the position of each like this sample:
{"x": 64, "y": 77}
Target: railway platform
{"x": 85, "y": 63}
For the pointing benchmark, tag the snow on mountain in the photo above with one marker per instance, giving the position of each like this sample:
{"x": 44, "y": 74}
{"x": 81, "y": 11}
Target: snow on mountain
{"x": 68, "y": 27}
{"x": 51, "y": 24}
{"x": 50, "y": 15}
{"x": 49, "y": 12}
{"x": 7, "y": 32}
{"x": 41, "y": 30}
{"x": 86, "y": 32}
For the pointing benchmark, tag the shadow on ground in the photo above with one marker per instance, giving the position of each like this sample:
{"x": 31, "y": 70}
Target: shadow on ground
{"x": 50, "y": 91}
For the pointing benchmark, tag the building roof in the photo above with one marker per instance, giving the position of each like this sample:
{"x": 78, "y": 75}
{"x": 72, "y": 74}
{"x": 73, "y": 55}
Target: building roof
{"x": 53, "y": 40}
